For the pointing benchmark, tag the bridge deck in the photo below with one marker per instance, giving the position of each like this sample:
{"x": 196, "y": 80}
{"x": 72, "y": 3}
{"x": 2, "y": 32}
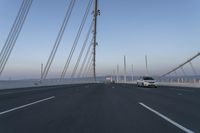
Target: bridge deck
{"x": 100, "y": 108}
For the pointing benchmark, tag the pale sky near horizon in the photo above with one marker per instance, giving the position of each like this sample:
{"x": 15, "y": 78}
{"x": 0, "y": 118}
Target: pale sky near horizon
{"x": 167, "y": 31}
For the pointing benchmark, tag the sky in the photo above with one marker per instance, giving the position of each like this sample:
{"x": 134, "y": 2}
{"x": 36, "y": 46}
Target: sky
{"x": 167, "y": 31}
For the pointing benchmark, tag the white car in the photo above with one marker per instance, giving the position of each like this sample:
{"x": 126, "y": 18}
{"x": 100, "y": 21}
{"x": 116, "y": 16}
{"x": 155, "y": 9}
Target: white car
{"x": 146, "y": 82}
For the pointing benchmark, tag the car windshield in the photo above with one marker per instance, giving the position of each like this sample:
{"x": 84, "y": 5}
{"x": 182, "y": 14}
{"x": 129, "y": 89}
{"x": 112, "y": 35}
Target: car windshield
{"x": 148, "y": 78}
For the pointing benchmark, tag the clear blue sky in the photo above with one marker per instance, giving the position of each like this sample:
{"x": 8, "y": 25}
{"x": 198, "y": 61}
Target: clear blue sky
{"x": 167, "y": 31}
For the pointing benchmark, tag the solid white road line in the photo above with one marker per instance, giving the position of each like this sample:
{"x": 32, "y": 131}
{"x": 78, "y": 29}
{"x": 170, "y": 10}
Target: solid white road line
{"x": 167, "y": 119}
{"x": 26, "y": 105}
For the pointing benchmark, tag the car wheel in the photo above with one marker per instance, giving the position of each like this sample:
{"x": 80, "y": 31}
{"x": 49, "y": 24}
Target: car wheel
{"x": 142, "y": 84}
{"x": 138, "y": 85}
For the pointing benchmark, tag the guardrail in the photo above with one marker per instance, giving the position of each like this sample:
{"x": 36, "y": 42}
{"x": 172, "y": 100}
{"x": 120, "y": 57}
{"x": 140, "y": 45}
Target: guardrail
{"x": 179, "y": 83}
{"x": 195, "y": 85}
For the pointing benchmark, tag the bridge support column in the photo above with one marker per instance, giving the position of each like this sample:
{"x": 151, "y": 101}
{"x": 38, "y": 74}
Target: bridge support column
{"x": 178, "y": 80}
{"x": 181, "y": 80}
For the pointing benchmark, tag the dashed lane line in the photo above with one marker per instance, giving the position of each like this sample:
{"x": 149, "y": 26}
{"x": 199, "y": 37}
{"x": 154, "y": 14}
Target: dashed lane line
{"x": 26, "y": 105}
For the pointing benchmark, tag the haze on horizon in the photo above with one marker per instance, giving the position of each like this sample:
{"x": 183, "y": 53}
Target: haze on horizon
{"x": 166, "y": 31}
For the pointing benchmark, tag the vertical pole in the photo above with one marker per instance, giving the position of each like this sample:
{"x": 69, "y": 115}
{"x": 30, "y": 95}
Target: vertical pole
{"x": 95, "y": 32}
{"x": 147, "y": 73}
{"x": 114, "y": 76}
{"x": 176, "y": 76}
{"x": 193, "y": 69}
{"x": 124, "y": 69}
{"x": 117, "y": 73}
{"x": 132, "y": 73}
{"x": 41, "y": 70}
{"x": 111, "y": 78}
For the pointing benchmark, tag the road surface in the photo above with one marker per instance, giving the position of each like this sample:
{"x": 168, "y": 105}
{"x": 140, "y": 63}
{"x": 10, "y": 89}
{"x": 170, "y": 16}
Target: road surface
{"x": 100, "y": 108}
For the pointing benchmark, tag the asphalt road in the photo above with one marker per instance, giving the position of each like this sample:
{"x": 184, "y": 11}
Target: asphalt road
{"x": 100, "y": 108}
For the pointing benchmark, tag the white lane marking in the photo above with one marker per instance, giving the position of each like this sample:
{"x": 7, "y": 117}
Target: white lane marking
{"x": 167, "y": 119}
{"x": 184, "y": 90}
{"x": 26, "y": 105}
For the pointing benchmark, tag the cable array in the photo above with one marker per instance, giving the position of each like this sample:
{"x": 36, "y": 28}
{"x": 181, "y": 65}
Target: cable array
{"x": 181, "y": 66}
{"x": 88, "y": 70}
{"x": 89, "y": 61}
{"x": 89, "y": 58}
{"x": 14, "y": 33}
{"x": 76, "y": 40}
{"x": 82, "y": 50}
{"x": 58, "y": 40}
{"x": 85, "y": 59}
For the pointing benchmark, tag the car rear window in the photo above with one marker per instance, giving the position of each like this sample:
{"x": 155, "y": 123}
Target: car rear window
{"x": 148, "y": 78}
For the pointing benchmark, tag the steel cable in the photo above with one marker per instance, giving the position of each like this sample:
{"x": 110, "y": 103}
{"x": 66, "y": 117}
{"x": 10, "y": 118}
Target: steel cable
{"x": 76, "y": 40}
{"x": 11, "y": 31}
{"x": 85, "y": 59}
{"x": 88, "y": 70}
{"x": 15, "y": 33}
{"x": 82, "y": 50}
{"x": 87, "y": 64}
{"x": 58, "y": 39}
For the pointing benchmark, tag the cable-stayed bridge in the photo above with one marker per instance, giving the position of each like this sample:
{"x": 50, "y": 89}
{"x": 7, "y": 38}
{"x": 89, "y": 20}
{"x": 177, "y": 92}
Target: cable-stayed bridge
{"x": 81, "y": 102}
{"x": 85, "y": 63}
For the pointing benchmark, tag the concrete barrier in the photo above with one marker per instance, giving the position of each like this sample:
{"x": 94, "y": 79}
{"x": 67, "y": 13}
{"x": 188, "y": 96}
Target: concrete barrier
{"x": 14, "y": 84}
{"x": 194, "y": 85}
